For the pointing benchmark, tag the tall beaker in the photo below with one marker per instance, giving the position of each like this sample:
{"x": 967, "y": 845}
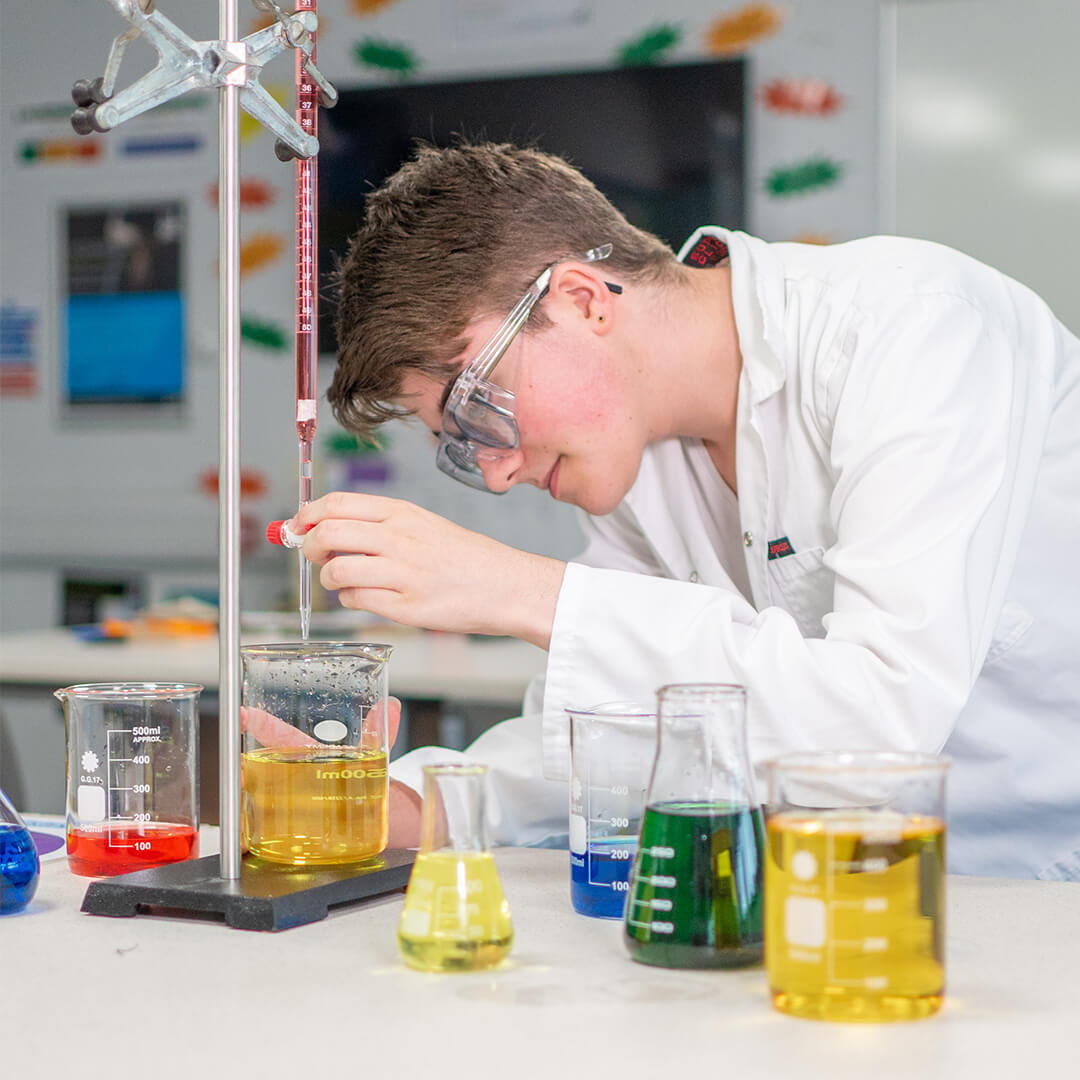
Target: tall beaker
{"x": 855, "y": 885}
{"x": 132, "y": 775}
{"x": 20, "y": 866}
{"x": 315, "y": 751}
{"x": 456, "y": 917}
{"x": 612, "y": 748}
{"x": 696, "y": 886}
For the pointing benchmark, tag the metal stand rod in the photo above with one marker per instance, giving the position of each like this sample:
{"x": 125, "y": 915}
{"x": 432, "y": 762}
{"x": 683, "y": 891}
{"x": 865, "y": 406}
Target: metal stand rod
{"x": 229, "y": 458}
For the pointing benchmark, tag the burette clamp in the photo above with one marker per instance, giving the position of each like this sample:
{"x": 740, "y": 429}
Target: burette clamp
{"x": 185, "y": 64}
{"x": 298, "y": 29}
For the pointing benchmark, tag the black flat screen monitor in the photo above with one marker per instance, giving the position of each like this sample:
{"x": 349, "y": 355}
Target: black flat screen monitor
{"x": 665, "y": 143}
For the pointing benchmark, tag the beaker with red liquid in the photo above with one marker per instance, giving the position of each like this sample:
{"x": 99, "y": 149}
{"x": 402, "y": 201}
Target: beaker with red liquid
{"x": 132, "y": 775}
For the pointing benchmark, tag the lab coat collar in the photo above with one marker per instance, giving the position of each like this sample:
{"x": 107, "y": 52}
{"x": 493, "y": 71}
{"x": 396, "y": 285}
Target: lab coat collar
{"x": 757, "y": 293}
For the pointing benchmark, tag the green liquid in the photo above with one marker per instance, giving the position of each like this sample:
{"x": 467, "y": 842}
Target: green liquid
{"x": 696, "y": 887}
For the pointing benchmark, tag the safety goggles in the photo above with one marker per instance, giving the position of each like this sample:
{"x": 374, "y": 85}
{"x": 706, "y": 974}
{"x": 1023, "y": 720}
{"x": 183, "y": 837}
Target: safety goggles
{"x": 478, "y": 424}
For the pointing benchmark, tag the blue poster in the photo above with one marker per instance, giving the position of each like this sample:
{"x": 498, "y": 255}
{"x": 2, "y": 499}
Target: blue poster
{"x": 125, "y": 307}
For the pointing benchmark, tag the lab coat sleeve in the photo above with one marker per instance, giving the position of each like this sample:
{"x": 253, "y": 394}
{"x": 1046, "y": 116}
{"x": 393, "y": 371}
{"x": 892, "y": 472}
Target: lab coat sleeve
{"x": 936, "y": 425}
{"x": 523, "y": 808}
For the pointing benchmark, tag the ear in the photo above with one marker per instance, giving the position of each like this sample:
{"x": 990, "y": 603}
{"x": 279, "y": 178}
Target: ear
{"x": 578, "y": 292}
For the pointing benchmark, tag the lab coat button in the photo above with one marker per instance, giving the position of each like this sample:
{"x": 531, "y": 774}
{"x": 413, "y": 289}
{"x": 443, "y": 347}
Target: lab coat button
{"x": 748, "y": 539}
{"x": 694, "y": 579}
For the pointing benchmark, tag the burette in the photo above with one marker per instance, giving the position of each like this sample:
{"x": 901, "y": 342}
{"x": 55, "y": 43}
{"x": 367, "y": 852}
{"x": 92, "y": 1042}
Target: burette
{"x": 307, "y": 273}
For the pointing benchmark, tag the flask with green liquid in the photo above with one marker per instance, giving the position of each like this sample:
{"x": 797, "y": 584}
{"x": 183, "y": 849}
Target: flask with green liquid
{"x": 695, "y": 897}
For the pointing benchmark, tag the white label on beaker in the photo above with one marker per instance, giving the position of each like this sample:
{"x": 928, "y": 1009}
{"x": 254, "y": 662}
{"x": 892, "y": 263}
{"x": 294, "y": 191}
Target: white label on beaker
{"x": 415, "y": 921}
{"x": 579, "y": 834}
{"x": 330, "y": 730}
{"x": 804, "y": 921}
{"x": 90, "y": 804}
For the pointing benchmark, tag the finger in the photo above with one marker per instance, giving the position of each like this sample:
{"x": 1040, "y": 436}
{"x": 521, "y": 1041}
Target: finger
{"x": 360, "y": 572}
{"x": 386, "y": 603}
{"x": 342, "y": 535}
{"x": 393, "y": 720}
{"x": 390, "y": 718}
{"x": 352, "y": 505}
{"x": 270, "y": 730}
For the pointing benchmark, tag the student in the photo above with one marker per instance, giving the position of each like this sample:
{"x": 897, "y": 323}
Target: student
{"x": 845, "y": 477}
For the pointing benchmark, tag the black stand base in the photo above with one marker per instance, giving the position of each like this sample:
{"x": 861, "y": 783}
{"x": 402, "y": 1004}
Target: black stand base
{"x": 267, "y": 896}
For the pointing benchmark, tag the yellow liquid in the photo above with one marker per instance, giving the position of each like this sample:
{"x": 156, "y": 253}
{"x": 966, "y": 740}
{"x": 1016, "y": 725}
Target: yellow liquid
{"x": 315, "y": 806}
{"x": 854, "y": 915}
{"x": 455, "y": 916}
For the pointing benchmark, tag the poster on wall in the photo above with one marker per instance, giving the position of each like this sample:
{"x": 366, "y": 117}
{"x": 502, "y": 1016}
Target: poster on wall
{"x": 18, "y": 349}
{"x": 125, "y": 305}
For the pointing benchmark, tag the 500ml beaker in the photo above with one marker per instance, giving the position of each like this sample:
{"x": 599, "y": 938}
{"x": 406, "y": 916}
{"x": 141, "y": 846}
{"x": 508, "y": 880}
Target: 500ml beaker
{"x": 696, "y": 887}
{"x": 612, "y": 748}
{"x": 315, "y": 751}
{"x": 855, "y": 885}
{"x": 132, "y": 775}
{"x": 456, "y": 917}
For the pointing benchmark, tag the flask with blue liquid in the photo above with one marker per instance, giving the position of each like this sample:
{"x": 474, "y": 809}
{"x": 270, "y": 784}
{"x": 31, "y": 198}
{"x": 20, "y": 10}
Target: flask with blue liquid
{"x": 19, "y": 863}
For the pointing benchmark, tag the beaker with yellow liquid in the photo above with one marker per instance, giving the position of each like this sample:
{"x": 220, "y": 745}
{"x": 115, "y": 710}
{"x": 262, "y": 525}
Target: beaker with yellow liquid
{"x": 855, "y": 885}
{"x": 315, "y": 751}
{"x": 455, "y": 917}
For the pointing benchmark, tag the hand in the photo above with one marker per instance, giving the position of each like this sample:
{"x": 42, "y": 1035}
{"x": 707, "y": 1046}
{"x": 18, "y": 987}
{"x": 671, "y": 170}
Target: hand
{"x": 271, "y": 730}
{"x": 397, "y": 560}
{"x": 404, "y": 808}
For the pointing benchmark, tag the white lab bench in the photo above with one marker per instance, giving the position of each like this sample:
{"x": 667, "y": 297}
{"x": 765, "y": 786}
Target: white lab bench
{"x": 438, "y": 675}
{"x": 87, "y": 996}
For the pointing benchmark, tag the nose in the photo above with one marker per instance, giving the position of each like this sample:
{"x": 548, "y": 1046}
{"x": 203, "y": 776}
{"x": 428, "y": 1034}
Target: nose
{"x": 500, "y": 473}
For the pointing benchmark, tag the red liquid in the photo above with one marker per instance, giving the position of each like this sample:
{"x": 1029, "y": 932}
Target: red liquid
{"x": 118, "y": 849}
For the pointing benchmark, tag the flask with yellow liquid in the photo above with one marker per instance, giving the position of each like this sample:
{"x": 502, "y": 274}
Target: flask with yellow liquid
{"x": 855, "y": 885}
{"x": 456, "y": 917}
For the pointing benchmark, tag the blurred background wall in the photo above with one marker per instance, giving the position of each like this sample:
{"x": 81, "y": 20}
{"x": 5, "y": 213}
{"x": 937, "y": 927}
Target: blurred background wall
{"x": 818, "y": 120}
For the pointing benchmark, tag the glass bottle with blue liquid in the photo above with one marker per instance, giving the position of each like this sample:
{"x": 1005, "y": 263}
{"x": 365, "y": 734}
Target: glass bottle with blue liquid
{"x": 697, "y": 884}
{"x": 19, "y": 863}
{"x": 612, "y": 747}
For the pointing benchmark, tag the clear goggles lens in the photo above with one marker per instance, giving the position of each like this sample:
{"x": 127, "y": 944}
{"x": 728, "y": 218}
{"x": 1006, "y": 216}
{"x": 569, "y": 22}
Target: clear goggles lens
{"x": 481, "y": 428}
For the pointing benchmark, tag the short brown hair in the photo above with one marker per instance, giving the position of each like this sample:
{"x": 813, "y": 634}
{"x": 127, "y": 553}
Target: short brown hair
{"x": 455, "y": 234}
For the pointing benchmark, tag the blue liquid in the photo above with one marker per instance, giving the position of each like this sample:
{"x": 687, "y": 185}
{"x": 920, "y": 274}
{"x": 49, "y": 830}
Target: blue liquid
{"x": 599, "y": 879}
{"x": 19, "y": 868}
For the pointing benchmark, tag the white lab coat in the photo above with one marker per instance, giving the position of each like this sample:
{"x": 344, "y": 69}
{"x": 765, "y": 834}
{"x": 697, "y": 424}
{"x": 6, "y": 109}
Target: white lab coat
{"x": 909, "y": 420}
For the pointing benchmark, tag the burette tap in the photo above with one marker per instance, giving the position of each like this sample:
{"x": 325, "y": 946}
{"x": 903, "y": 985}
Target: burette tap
{"x": 185, "y": 64}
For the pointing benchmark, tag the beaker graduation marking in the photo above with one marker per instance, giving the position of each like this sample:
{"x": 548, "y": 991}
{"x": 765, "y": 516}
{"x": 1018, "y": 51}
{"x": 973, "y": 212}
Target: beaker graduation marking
{"x": 607, "y": 859}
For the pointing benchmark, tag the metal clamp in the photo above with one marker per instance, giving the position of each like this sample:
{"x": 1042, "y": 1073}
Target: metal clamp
{"x": 185, "y": 64}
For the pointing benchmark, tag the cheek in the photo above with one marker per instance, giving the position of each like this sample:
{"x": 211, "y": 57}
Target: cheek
{"x": 568, "y": 420}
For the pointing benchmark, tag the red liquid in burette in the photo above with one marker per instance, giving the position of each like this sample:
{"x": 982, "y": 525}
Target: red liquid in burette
{"x": 120, "y": 848}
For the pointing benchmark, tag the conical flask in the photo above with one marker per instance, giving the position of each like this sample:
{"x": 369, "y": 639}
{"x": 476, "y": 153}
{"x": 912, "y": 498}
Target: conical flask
{"x": 19, "y": 863}
{"x": 696, "y": 886}
{"x": 456, "y": 917}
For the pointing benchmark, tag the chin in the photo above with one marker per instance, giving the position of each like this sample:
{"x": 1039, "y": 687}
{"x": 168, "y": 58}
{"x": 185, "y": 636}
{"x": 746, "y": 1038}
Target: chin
{"x": 597, "y": 504}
